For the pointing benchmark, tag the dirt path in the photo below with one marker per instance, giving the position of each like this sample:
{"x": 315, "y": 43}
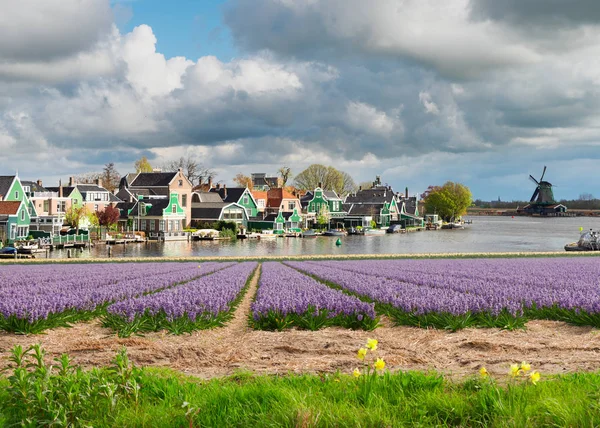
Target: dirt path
{"x": 550, "y": 347}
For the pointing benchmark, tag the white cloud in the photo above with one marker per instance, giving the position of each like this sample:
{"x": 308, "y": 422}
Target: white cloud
{"x": 430, "y": 106}
{"x": 366, "y": 118}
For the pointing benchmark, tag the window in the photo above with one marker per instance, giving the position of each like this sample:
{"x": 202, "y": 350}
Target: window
{"x": 261, "y": 203}
{"x": 184, "y": 200}
{"x": 96, "y": 207}
{"x": 180, "y": 183}
{"x": 246, "y": 200}
{"x": 176, "y": 225}
{"x": 152, "y": 224}
{"x": 16, "y": 194}
{"x": 161, "y": 225}
{"x": 13, "y": 231}
{"x": 75, "y": 201}
{"x": 174, "y": 209}
{"x": 26, "y": 189}
{"x": 22, "y": 215}
{"x": 143, "y": 225}
{"x": 291, "y": 205}
{"x": 279, "y": 226}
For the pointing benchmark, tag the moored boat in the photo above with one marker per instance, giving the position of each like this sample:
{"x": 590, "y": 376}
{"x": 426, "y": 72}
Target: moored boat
{"x": 588, "y": 241}
{"x": 334, "y": 232}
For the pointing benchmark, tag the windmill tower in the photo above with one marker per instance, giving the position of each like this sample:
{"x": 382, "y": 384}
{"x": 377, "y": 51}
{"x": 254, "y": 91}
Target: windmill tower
{"x": 542, "y": 201}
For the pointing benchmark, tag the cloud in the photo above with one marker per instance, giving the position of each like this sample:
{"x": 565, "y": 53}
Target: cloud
{"x": 415, "y": 91}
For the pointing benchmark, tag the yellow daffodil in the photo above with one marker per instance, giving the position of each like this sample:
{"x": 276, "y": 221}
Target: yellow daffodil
{"x": 372, "y": 344}
{"x": 525, "y": 366}
{"x": 379, "y": 364}
{"x": 534, "y": 377}
{"x": 514, "y": 370}
{"x": 362, "y": 352}
{"x": 483, "y": 372}
{"x": 356, "y": 373}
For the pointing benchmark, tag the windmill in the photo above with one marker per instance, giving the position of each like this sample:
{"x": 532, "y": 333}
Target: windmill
{"x": 543, "y": 192}
{"x": 542, "y": 201}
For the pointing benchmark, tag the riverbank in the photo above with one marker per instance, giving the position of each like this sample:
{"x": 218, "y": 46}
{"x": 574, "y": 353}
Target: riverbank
{"x": 200, "y": 259}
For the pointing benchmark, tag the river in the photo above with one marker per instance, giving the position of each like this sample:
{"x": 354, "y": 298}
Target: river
{"x": 485, "y": 234}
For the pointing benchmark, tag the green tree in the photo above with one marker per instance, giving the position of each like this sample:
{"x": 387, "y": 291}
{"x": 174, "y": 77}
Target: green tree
{"x": 449, "y": 201}
{"x": 142, "y": 165}
{"x": 323, "y": 216}
{"x": 327, "y": 177}
{"x": 74, "y": 216}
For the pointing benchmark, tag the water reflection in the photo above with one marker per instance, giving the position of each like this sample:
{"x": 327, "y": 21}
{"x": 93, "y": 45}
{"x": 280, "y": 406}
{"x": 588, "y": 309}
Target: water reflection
{"x": 486, "y": 234}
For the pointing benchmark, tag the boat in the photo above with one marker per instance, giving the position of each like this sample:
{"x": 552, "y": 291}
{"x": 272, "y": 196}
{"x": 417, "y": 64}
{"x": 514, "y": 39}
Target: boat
{"x": 356, "y": 231}
{"x": 454, "y": 225}
{"x": 372, "y": 232}
{"x": 310, "y": 233}
{"x": 334, "y": 232}
{"x": 267, "y": 234}
{"x": 8, "y": 250}
{"x": 205, "y": 235}
{"x": 588, "y": 241}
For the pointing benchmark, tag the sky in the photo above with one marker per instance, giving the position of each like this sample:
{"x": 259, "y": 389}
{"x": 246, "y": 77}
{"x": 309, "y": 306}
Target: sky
{"x": 419, "y": 92}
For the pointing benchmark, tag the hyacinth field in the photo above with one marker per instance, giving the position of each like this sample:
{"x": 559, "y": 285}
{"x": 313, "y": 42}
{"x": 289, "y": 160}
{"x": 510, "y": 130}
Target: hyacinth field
{"x": 199, "y": 304}
{"x": 40, "y": 297}
{"x": 458, "y": 293}
{"x": 287, "y": 298}
{"x": 182, "y": 297}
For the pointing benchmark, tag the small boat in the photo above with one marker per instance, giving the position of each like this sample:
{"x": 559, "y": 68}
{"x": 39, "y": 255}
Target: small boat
{"x": 372, "y": 232}
{"x": 334, "y": 232}
{"x": 455, "y": 225}
{"x": 356, "y": 231}
{"x": 266, "y": 235}
{"x": 8, "y": 250}
{"x": 310, "y": 233}
{"x": 205, "y": 235}
{"x": 588, "y": 241}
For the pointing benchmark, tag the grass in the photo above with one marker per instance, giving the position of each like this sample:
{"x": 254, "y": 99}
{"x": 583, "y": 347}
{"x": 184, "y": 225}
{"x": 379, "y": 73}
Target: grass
{"x": 33, "y": 394}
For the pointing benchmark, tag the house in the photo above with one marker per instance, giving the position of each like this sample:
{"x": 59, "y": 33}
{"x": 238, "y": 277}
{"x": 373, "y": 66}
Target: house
{"x": 322, "y": 202}
{"x": 285, "y": 221}
{"x": 260, "y": 196}
{"x": 280, "y": 200}
{"x": 92, "y": 196}
{"x": 262, "y": 182}
{"x": 210, "y": 212}
{"x": 14, "y": 221}
{"x": 409, "y": 213}
{"x": 49, "y": 207}
{"x": 238, "y": 195}
{"x": 379, "y": 203}
{"x": 156, "y": 216}
{"x": 158, "y": 185}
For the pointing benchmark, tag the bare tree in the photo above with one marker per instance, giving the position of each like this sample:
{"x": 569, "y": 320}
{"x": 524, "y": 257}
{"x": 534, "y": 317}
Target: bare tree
{"x": 110, "y": 177}
{"x": 327, "y": 177}
{"x": 197, "y": 173}
{"x": 285, "y": 172}
{"x": 243, "y": 181}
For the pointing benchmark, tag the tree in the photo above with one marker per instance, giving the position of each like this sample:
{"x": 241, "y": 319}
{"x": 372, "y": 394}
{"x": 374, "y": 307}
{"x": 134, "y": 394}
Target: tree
{"x": 197, "y": 173}
{"x": 323, "y": 216}
{"x": 285, "y": 172}
{"x": 142, "y": 165}
{"x": 110, "y": 177}
{"x": 74, "y": 216}
{"x": 243, "y": 181}
{"x": 449, "y": 201}
{"x": 327, "y": 177}
{"x": 109, "y": 217}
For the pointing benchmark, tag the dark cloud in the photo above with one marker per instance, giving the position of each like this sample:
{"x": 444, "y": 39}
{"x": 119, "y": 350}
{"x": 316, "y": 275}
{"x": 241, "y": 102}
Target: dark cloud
{"x": 548, "y": 13}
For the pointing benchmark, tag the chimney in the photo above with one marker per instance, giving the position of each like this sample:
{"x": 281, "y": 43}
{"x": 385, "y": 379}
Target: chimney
{"x": 39, "y": 183}
{"x": 99, "y": 182}
{"x": 60, "y": 191}
{"x": 71, "y": 181}
{"x": 224, "y": 191}
{"x": 320, "y": 185}
{"x": 209, "y": 183}
{"x": 359, "y": 188}
{"x": 406, "y": 192}
{"x": 218, "y": 186}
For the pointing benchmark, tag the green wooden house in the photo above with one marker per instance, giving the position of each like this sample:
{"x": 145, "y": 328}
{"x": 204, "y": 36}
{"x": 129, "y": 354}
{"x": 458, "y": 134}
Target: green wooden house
{"x": 240, "y": 196}
{"x": 14, "y": 221}
{"x": 157, "y": 216}
{"x": 325, "y": 202}
{"x": 286, "y": 222}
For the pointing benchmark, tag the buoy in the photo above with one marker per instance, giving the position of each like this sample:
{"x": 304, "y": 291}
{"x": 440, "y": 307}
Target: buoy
{"x": 338, "y": 242}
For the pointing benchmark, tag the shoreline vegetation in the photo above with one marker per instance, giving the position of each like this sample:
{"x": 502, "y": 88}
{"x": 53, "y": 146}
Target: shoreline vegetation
{"x": 474, "y": 255}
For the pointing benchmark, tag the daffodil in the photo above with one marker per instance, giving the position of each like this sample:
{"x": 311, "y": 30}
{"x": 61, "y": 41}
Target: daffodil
{"x": 356, "y": 373}
{"x": 525, "y": 366}
{"x": 514, "y": 370}
{"x": 372, "y": 344}
{"x": 379, "y": 364}
{"x": 534, "y": 377}
{"x": 362, "y": 352}
{"x": 483, "y": 372}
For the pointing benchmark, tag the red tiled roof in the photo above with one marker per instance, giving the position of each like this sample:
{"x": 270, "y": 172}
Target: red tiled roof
{"x": 259, "y": 194}
{"x": 9, "y": 207}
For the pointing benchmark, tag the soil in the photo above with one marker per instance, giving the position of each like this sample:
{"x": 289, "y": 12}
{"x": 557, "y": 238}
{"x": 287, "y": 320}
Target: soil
{"x": 550, "y": 347}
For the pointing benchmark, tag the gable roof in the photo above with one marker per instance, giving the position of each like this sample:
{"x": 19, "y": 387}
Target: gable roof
{"x": 156, "y": 206}
{"x": 207, "y": 210}
{"x": 363, "y": 209}
{"x": 153, "y": 179}
{"x": 6, "y": 182}
{"x": 66, "y": 190}
{"x": 375, "y": 195}
{"x": 259, "y": 194}
{"x": 207, "y": 197}
{"x": 230, "y": 194}
{"x": 33, "y": 186}
{"x": 9, "y": 207}
{"x": 275, "y": 196}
